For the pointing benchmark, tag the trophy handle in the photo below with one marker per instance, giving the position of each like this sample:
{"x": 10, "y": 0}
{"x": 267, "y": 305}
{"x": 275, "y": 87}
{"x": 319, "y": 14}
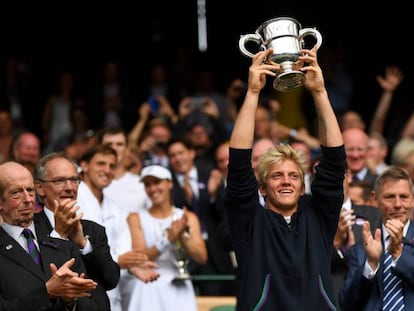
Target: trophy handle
{"x": 256, "y": 38}
{"x": 311, "y": 32}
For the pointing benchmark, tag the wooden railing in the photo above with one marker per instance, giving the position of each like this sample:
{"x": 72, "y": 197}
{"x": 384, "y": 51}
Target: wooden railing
{"x": 206, "y": 303}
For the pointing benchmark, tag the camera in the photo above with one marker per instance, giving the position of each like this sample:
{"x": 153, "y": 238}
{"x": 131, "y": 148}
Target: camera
{"x": 197, "y": 102}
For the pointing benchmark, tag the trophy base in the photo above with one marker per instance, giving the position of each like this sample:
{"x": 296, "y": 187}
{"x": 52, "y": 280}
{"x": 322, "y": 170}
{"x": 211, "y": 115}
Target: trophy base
{"x": 288, "y": 81}
{"x": 181, "y": 278}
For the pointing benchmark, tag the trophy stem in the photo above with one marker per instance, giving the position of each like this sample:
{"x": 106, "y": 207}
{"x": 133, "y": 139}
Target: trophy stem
{"x": 289, "y": 79}
{"x": 287, "y": 66}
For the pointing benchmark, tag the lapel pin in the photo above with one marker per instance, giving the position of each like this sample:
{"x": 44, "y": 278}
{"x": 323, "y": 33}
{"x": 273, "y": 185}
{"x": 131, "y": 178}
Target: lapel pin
{"x": 8, "y": 247}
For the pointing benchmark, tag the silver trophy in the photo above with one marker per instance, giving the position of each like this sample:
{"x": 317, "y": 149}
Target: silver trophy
{"x": 180, "y": 258}
{"x": 286, "y": 37}
{"x": 181, "y": 261}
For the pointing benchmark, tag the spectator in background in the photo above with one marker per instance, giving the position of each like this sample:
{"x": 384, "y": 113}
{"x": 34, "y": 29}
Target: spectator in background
{"x": 110, "y": 104}
{"x": 200, "y": 111}
{"x": 98, "y": 165}
{"x": 352, "y": 119}
{"x": 389, "y": 83}
{"x": 26, "y": 149}
{"x": 6, "y": 135}
{"x": 205, "y": 87}
{"x": 360, "y": 193}
{"x": 152, "y": 132}
{"x": 79, "y": 143}
{"x": 260, "y": 147}
{"x": 403, "y": 155}
{"x": 263, "y": 123}
{"x": 234, "y": 95}
{"x": 56, "y": 118}
{"x": 125, "y": 189}
{"x": 222, "y": 159}
{"x": 133, "y": 160}
{"x": 356, "y": 148}
{"x": 349, "y": 231}
{"x": 160, "y": 84}
{"x": 303, "y": 148}
{"x": 223, "y": 230}
{"x": 17, "y": 95}
{"x": 377, "y": 153}
{"x": 201, "y": 137}
{"x": 339, "y": 81}
{"x": 197, "y": 188}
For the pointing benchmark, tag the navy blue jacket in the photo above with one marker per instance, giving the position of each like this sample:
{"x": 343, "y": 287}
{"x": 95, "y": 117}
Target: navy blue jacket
{"x": 285, "y": 267}
{"x": 360, "y": 293}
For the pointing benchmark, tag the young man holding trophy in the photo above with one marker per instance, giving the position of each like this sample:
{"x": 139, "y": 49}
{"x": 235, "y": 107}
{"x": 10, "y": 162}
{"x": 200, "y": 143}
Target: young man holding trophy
{"x": 283, "y": 251}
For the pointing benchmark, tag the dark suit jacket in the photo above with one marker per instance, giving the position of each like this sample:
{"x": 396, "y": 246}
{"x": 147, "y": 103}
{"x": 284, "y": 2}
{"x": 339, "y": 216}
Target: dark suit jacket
{"x": 370, "y": 178}
{"x": 339, "y": 265}
{"x": 99, "y": 263}
{"x": 359, "y": 293}
{"x": 210, "y": 215}
{"x": 22, "y": 282}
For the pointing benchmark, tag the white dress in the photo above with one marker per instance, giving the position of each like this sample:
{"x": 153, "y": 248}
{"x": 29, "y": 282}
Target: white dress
{"x": 162, "y": 294}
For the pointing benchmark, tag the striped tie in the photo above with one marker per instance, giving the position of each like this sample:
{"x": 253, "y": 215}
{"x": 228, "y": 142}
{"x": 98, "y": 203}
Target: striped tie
{"x": 393, "y": 292}
{"x": 31, "y": 246}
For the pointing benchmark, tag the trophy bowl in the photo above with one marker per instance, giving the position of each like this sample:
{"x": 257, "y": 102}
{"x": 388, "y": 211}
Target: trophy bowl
{"x": 286, "y": 37}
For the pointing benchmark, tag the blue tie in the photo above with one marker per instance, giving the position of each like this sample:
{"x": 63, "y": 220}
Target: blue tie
{"x": 393, "y": 291}
{"x": 31, "y": 246}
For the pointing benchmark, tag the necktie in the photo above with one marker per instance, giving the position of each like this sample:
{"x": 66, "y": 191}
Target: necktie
{"x": 31, "y": 246}
{"x": 393, "y": 292}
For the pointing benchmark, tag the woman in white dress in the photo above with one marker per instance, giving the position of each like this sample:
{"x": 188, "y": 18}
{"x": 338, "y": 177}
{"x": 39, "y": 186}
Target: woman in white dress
{"x": 158, "y": 230}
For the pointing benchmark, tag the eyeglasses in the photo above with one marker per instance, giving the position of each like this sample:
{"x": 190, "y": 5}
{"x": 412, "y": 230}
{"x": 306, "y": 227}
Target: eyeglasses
{"x": 19, "y": 193}
{"x": 61, "y": 181}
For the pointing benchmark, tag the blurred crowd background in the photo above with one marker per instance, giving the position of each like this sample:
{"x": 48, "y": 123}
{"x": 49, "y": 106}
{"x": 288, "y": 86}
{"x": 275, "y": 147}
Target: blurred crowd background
{"x": 47, "y": 40}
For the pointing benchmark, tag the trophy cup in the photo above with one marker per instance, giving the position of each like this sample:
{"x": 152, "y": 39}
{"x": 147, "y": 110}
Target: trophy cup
{"x": 180, "y": 258}
{"x": 286, "y": 37}
{"x": 181, "y": 261}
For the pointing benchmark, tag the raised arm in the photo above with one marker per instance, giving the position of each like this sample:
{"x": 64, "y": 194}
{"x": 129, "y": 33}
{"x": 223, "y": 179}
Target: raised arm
{"x": 329, "y": 131}
{"x": 243, "y": 131}
{"x": 389, "y": 83}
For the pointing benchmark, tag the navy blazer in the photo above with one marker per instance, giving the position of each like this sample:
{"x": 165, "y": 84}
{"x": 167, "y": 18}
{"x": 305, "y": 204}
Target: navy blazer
{"x": 210, "y": 214}
{"x": 22, "y": 283}
{"x": 339, "y": 265}
{"x": 99, "y": 263}
{"x": 360, "y": 293}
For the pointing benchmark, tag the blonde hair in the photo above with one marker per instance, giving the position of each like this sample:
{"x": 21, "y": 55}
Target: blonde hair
{"x": 279, "y": 154}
